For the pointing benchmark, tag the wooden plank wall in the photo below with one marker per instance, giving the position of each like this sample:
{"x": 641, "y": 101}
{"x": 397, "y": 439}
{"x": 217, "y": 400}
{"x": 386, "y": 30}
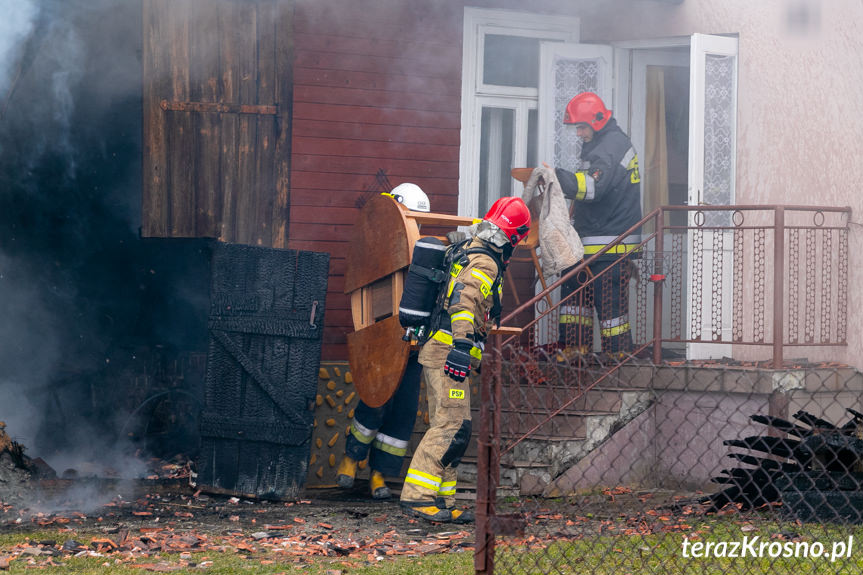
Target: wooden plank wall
{"x": 377, "y": 86}
{"x": 217, "y": 172}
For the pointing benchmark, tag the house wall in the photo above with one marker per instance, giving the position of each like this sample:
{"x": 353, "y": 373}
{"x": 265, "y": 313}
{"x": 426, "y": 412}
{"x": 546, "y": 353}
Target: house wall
{"x": 799, "y": 105}
{"x": 377, "y": 87}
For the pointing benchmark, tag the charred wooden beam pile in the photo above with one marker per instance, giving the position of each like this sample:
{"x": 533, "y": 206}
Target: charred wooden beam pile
{"x": 814, "y": 472}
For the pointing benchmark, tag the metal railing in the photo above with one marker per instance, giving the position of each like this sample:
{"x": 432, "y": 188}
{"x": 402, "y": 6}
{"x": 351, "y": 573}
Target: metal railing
{"x": 738, "y": 279}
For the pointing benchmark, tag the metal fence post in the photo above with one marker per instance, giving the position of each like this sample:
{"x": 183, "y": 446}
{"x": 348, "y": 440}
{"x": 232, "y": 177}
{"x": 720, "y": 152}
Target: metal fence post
{"x": 487, "y": 446}
{"x": 658, "y": 270}
{"x": 778, "y": 285}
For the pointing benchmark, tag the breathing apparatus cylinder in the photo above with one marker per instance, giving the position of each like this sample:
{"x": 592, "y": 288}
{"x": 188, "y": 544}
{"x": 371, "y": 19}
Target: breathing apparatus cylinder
{"x": 422, "y": 282}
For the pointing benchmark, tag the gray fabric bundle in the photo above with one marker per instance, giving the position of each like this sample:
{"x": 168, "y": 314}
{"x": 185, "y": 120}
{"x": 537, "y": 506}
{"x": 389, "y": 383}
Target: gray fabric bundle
{"x": 559, "y": 242}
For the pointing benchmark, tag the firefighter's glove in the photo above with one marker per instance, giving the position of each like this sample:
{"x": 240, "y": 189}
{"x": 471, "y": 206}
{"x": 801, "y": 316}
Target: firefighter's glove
{"x": 457, "y": 364}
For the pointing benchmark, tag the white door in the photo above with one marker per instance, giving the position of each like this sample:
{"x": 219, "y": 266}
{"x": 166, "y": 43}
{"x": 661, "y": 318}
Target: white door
{"x": 565, "y": 71}
{"x": 712, "y": 158}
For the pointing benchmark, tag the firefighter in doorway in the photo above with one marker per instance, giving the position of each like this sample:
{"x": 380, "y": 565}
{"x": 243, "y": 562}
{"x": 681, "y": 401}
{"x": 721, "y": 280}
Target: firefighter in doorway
{"x": 382, "y": 433}
{"x": 607, "y": 196}
{"x": 462, "y": 322}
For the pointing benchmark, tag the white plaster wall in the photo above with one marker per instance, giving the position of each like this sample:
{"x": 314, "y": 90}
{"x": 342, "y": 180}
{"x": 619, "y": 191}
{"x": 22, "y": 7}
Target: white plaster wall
{"x": 800, "y": 105}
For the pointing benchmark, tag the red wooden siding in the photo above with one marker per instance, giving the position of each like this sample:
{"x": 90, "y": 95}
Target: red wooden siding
{"x": 377, "y": 86}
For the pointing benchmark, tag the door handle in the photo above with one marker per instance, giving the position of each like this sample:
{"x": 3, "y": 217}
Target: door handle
{"x": 312, "y": 315}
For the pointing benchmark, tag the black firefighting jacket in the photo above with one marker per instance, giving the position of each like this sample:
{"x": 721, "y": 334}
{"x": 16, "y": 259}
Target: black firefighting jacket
{"x": 607, "y": 191}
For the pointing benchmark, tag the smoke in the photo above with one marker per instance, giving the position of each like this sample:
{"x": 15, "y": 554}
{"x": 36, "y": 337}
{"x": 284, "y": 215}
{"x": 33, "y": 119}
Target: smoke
{"x": 72, "y": 268}
{"x": 15, "y": 28}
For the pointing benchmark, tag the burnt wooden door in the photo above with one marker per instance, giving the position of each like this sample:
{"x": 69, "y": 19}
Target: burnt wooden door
{"x": 266, "y": 321}
{"x": 218, "y": 81}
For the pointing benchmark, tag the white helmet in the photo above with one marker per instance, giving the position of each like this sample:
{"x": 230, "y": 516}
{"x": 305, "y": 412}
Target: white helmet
{"x": 412, "y": 196}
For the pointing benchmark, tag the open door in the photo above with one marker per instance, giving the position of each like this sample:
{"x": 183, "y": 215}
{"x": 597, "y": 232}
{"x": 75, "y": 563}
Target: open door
{"x": 712, "y": 159}
{"x": 567, "y": 70}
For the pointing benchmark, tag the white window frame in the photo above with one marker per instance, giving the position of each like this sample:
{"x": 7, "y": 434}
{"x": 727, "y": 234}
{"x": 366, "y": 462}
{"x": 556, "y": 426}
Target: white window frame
{"x": 474, "y": 94}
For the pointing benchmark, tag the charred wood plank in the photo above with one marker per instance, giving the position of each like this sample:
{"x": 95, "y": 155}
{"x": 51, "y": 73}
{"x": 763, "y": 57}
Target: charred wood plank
{"x": 781, "y": 425}
{"x": 779, "y": 446}
{"x": 813, "y": 421}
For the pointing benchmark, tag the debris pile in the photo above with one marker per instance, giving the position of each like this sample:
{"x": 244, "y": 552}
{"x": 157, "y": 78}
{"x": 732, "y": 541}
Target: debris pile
{"x": 814, "y": 472}
{"x": 15, "y": 473}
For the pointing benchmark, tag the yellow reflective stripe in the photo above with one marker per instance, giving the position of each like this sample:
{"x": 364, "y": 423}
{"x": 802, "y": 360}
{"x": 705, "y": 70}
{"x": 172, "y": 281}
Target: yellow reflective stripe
{"x": 485, "y": 288}
{"x": 386, "y": 448}
{"x": 616, "y": 330}
{"x": 447, "y": 488}
{"x": 422, "y": 479}
{"x": 579, "y": 319}
{"x": 582, "y": 185}
{"x": 363, "y": 434}
{"x": 443, "y": 337}
{"x": 462, "y": 316}
{"x": 618, "y": 249}
{"x": 446, "y": 338}
{"x": 482, "y": 276}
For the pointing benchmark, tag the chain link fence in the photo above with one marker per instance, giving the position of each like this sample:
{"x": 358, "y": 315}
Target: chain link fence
{"x": 606, "y": 454}
{"x": 703, "y": 468}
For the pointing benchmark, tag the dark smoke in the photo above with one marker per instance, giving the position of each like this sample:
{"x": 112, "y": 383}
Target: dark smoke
{"x": 78, "y": 288}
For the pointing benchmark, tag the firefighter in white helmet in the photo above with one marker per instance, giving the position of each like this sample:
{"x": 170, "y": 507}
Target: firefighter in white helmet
{"x": 471, "y": 305}
{"x": 382, "y": 433}
{"x": 412, "y": 196}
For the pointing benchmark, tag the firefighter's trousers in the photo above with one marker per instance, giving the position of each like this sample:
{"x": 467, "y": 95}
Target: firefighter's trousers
{"x": 431, "y": 476}
{"x": 382, "y": 433}
{"x": 606, "y": 290}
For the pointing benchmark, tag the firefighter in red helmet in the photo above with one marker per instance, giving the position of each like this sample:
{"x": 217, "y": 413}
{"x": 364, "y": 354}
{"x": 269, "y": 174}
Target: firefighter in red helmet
{"x": 452, "y": 352}
{"x": 606, "y": 189}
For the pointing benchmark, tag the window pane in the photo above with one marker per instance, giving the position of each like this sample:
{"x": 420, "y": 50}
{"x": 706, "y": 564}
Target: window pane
{"x": 495, "y": 156}
{"x": 718, "y": 136}
{"x": 511, "y": 61}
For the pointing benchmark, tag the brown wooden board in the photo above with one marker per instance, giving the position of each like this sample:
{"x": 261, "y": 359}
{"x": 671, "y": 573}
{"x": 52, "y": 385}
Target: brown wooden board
{"x": 378, "y": 357}
{"x": 217, "y": 110}
{"x": 380, "y": 244}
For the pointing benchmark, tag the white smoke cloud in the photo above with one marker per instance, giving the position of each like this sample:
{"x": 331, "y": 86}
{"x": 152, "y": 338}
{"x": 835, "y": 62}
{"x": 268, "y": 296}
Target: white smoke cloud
{"x": 17, "y": 24}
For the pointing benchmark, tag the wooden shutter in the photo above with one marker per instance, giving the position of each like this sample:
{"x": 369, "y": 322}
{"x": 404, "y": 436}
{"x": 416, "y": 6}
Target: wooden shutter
{"x": 217, "y": 109}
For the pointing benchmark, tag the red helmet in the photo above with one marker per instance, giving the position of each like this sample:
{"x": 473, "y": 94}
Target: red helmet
{"x": 512, "y": 216}
{"x": 587, "y": 108}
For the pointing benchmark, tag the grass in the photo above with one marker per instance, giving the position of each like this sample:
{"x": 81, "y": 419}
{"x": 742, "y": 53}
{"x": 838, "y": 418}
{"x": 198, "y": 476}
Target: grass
{"x": 662, "y": 553}
{"x": 659, "y": 553}
{"x": 443, "y": 564}
{"x": 218, "y": 563}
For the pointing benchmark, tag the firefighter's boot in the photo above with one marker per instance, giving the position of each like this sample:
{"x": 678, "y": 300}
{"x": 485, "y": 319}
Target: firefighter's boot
{"x": 378, "y": 486}
{"x": 428, "y": 511}
{"x": 346, "y": 472}
{"x": 462, "y": 516}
